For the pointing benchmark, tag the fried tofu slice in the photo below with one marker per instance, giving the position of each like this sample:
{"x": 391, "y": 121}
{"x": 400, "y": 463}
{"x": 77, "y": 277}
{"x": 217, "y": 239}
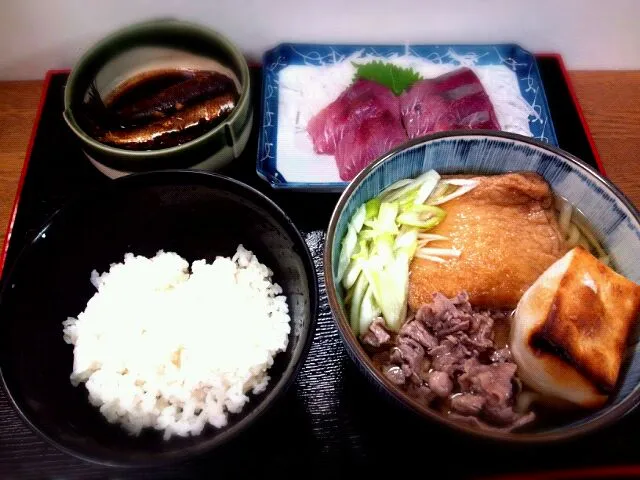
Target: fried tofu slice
{"x": 507, "y": 231}
{"x": 570, "y": 329}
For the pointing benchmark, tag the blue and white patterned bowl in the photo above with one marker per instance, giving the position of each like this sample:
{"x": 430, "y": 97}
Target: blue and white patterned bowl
{"x": 613, "y": 217}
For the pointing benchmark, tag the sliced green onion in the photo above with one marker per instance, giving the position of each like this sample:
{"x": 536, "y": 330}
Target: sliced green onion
{"x": 358, "y": 218}
{"x": 412, "y": 187}
{"x": 401, "y": 193}
{"x": 440, "y": 190}
{"x": 423, "y": 217}
{"x": 397, "y": 276}
{"x": 369, "y": 311}
{"x": 430, "y": 209}
{"x": 383, "y": 236}
{"x": 348, "y": 246}
{"x": 414, "y": 220}
{"x": 427, "y": 188}
{"x": 351, "y": 274}
{"x": 350, "y": 241}
{"x": 356, "y": 302}
{"x": 407, "y": 240}
{"x": 372, "y": 207}
{"x": 407, "y": 201}
{"x": 367, "y": 233}
{"x": 386, "y": 221}
{"x": 393, "y": 187}
{"x": 382, "y": 288}
{"x": 383, "y": 247}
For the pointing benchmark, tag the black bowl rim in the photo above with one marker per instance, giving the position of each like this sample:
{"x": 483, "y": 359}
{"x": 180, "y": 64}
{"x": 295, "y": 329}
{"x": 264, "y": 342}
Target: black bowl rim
{"x": 267, "y": 402}
{"x": 365, "y": 364}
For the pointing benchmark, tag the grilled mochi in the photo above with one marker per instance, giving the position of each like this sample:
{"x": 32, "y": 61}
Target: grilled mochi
{"x": 570, "y": 329}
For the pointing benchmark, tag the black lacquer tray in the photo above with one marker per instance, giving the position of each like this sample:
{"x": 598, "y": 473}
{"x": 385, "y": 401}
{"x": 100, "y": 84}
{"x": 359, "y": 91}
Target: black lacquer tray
{"x": 331, "y": 423}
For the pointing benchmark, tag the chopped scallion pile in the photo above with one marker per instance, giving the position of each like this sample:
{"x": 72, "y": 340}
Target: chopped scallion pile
{"x": 383, "y": 236}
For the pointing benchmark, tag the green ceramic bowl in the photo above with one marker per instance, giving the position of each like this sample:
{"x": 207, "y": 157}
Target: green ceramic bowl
{"x": 151, "y": 45}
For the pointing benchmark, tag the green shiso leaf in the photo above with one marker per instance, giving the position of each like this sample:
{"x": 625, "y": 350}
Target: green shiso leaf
{"x": 397, "y": 79}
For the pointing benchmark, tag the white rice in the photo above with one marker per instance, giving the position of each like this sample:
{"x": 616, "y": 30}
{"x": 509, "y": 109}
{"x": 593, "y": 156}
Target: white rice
{"x": 158, "y": 346}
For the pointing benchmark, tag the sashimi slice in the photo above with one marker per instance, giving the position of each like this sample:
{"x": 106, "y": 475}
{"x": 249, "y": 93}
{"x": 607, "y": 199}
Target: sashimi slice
{"x": 365, "y": 141}
{"x": 363, "y": 99}
{"x": 456, "y": 100}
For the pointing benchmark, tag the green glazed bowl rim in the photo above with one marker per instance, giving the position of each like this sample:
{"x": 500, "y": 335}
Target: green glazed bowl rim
{"x": 100, "y": 52}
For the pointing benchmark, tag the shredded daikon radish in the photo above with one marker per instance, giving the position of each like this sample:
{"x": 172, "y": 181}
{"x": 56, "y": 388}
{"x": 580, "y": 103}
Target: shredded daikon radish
{"x": 429, "y": 257}
{"x": 441, "y": 252}
{"x": 429, "y": 237}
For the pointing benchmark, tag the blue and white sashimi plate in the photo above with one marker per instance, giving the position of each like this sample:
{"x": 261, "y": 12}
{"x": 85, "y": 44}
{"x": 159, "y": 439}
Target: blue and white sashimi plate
{"x": 299, "y": 80}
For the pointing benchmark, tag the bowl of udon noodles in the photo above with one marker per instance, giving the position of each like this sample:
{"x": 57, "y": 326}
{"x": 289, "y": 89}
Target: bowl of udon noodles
{"x": 489, "y": 282}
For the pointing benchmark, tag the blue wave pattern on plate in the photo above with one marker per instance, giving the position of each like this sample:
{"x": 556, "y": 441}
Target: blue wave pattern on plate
{"x": 514, "y": 57}
{"x": 613, "y": 222}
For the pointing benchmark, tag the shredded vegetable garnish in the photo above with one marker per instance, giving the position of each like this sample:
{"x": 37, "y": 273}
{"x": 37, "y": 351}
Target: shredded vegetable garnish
{"x": 441, "y": 252}
{"x": 382, "y": 238}
{"x": 465, "y": 187}
{"x": 430, "y": 237}
{"x": 424, "y": 256}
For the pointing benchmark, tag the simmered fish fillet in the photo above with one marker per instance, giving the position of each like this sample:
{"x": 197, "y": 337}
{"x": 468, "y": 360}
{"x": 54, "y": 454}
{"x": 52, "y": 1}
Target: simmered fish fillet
{"x": 508, "y": 233}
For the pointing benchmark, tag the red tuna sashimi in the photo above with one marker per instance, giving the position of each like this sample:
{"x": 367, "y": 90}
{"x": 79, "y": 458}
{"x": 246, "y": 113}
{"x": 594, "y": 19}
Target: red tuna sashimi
{"x": 365, "y": 141}
{"x": 456, "y": 100}
{"x": 363, "y": 99}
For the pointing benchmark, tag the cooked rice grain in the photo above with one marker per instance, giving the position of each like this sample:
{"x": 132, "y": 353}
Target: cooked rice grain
{"x": 166, "y": 347}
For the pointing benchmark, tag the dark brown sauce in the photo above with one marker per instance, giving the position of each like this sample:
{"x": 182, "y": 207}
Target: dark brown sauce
{"x": 144, "y": 86}
{"x": 159, "y": 109}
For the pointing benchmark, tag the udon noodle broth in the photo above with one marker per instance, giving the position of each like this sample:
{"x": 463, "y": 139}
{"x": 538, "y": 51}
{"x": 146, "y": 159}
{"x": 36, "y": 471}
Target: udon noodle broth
{"x": 486, "y": 298}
